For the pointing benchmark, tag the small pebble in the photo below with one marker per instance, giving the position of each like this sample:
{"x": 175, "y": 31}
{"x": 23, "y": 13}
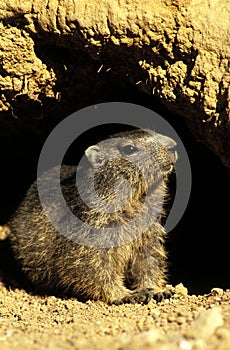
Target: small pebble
{"x": 4, "y": 232}
{"x": 180, "y": 288}
{"x": 217, "y": 291}
{"x": 206, "y": 323}
{"x": 185, "y": 345}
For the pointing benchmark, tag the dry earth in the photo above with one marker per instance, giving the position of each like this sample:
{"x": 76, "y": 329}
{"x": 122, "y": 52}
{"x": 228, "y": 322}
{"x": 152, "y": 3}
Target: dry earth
{"x": 185, "y": 322}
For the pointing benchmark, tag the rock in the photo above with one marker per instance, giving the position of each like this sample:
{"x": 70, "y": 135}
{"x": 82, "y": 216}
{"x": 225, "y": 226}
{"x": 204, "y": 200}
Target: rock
{"x": 206, "y": 324}
{"x": 181, "y": 289}
{"x": 4, "y": 232}
{"x": 217, "y": 292}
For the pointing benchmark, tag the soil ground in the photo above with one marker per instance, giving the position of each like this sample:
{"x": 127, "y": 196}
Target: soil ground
{"x": 185, "y": 322}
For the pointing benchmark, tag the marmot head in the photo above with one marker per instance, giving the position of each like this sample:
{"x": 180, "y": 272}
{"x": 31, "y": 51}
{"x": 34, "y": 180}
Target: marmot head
{"x": 131, "y": 165}
{"x": 137, "y": 147}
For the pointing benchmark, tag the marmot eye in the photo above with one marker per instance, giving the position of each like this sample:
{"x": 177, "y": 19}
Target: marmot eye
{"x": 129, "y": 149}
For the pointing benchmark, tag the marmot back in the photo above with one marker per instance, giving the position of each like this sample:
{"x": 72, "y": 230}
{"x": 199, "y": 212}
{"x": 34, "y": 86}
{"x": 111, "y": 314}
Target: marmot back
{"x": 114, "y": 250}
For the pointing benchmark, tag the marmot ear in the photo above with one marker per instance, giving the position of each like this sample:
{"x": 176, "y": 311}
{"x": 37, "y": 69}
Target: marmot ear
{"x": 95, "y": 156}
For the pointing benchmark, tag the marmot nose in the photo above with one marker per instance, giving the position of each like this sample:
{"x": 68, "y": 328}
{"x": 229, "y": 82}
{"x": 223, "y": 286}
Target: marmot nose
{"x": 170, "y": 146}
{"x": 170, "y": 157}
{"x": 167, "y": 142}
{"x": 173, "y": 153}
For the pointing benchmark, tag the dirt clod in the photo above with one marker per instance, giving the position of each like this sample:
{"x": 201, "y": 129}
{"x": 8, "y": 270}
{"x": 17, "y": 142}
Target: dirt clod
{"x": 217, "y": 291}
{"x": 4, "y": 232}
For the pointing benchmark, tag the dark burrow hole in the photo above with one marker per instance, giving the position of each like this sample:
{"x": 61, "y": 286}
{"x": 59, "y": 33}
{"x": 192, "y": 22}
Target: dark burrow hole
{"x": 198, "y": 246}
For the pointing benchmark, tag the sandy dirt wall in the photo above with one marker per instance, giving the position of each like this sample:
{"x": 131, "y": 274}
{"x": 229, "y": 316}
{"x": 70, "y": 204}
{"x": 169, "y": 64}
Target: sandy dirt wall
{"x": 177, "y": 50}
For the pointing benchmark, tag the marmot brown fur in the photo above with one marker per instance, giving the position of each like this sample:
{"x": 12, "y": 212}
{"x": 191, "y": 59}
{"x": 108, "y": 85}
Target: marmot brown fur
{"x": 86, "y": 261}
